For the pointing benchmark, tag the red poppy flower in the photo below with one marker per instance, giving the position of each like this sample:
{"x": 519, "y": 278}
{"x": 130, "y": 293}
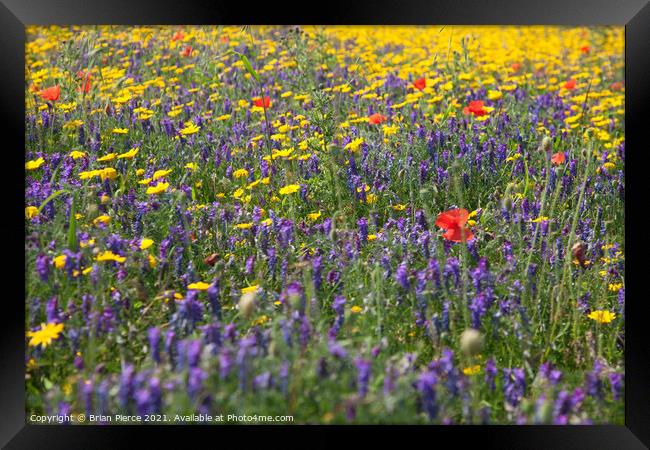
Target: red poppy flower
{"x": 515, "y": 67}
{"x": 571, "y": 84}
{"x": 475, "y": 107}
{"x": 86, "y": 83}
{"x": 616, "y": 86}
{"x": 52, "y": 93}
{"x": 257, "y": 101}
{"x": 420, "y": 83}
{"x": 187, "y": 51}
{"x": 377, "y": 118}
{"x": 454, "y": 222}
{"x": 585, "y": 49}
{"x": 558, "y": 158}
{"x": 225, "y": 39}
{"x": 178, "y": 36}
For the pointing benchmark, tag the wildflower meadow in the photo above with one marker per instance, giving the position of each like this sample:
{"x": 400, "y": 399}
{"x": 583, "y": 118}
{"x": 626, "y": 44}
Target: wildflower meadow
{"x": 325, "y": 225}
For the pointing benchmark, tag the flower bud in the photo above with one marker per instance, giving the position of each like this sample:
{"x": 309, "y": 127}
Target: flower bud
{"x": 471, "y": 342}
{"x": 578, "y": 252}
{"x": 247, "y": 304}
{"x": 546, "y": 146}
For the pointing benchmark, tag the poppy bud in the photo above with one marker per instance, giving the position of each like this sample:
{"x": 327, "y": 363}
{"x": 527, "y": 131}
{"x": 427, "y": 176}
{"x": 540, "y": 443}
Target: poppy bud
{"x": 546, "y": 145}
{"x": 211, "y": 260}
{"x": 507, "y": 197}
{"x": 471, "y": 342}
{"x": 247, "y": 304}
{"x": 91, "y": 210}
{"x": 578, "y": 252}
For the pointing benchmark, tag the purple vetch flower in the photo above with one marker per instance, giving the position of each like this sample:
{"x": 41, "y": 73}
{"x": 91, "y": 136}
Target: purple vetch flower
{"x": 305, "y": 331}
{"x": 213, "y": 299}
{"x": 490, "y": 373}
{"x": 425, "y": 385}
{"x": 43, "y": 263}
{"x": 616, "y": 383}
{"x": 583, "y": 303}
{"x": 363, "y": 375}
{"x": 514, "y": 385}
{"x": 250, "y": 265}
{"x": 317, "y": 277}
{"x": 126, "y": 387}
{"x": 335, "y": 349}
{"x": 593, "y": 382}
{"x": 452, "y": 270}
{"x": 401, "y": 275}
{"x": 225, "y": 362}
{"x": 195, "y": 380}
{"x": 87, "y": 390}
{"x": 338, "y": 306}
{"x": 193, "y": 352}
{"x": 153, "y": 335}
{"x": 363, "y": 229}
{"x": 52, "y": 310}
{"x": 212, "y": 336}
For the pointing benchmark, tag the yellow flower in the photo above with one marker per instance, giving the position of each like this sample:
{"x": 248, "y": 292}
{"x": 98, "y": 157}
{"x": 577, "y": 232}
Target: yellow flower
{"x": 139, "y": 172}
{"x": 313, "y": 216}
{"x": 356, "y": 309}
{"x": 191, "y": 166}
{"x": 354, "y": 145}
{"x": 615, "y": 287}
{"x": 601, "y": 316}
{"x": 146, "y": 243}
{"x": 472, "y": 370}
{"x": 158, "y": 188}
{"x": 494, "y": 95}
{"x": 539, "y": 219}
{"x": 59, "y": 261}
{"x": 130, "y": 154}
{"x": 110, "y": 256}
{"x": 390, "y": 130}
{"x": 199, "y": 286}
{"x": 372, "y": 237}
{"x": 108, "y": 174}
{"x": 190, "y": 128}
{"x": 239, "y": 173}
{"x": 34, "y": 164}
{"x": 31, "y": 211}
{"x": 289, "y": 189}
{"x": 102, "y": 219}
{"x": 77, "y": 154}
{"x": 371, "y": 198}
{"x": 250, "y": 289}
{"x": 160, "y": 173}
{"x": 152, "y": 261}
{"x": 45, "y": 335}
{"x": 244, "y": 226}
{"x": 399, "y": 207}
{"x": 261, "y": 320}
{"x": 120, "y": 130}
{"x": 108, "y": 157}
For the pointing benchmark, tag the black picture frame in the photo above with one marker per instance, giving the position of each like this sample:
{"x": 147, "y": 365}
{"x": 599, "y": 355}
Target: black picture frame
{"x": 633, "y": 14}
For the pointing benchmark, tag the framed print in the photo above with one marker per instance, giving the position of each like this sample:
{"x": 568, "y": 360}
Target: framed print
{"x": 424, "y": 224}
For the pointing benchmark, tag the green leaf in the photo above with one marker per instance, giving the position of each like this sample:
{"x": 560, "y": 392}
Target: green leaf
{"x": 50, "y": 198}
{"x": 72, "y": 228}
{"x": 249, "y": 67}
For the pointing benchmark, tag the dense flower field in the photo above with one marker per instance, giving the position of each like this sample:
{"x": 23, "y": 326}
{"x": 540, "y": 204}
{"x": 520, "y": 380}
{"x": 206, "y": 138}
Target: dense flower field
{"x": 342, "y": 224}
